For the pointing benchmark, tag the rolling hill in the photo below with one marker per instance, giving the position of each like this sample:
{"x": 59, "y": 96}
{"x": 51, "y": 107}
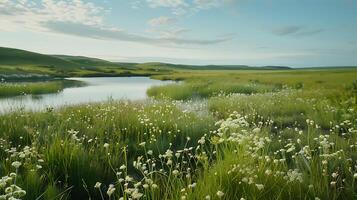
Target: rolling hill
{"x": 17, "y": 57}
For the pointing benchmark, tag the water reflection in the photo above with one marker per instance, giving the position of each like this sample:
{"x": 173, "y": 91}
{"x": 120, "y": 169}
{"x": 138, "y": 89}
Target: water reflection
{"x": 97, "y": 89}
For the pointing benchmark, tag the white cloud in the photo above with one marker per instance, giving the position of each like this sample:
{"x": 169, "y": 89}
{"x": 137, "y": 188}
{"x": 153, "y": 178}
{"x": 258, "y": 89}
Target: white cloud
{"x": 84, "y": 19}
{"x": 103, "y": 33}
{"x": 173, "y": 32}
{"x": 160, "y": 21}
{"x": 24, "y": 14}
{"x": 166, "y": 3}
{"x": 207, "y": 4}
{"x": 181, "y": 7}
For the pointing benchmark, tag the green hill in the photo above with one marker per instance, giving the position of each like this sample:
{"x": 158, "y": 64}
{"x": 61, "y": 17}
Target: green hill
{"x": 17, "y": 57}
{"x": 88, "y": 62}
{"x": 22, "y": 58}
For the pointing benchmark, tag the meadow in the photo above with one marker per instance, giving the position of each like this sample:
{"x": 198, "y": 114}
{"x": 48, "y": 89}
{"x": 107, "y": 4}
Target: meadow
{"x": 228, "y": 134}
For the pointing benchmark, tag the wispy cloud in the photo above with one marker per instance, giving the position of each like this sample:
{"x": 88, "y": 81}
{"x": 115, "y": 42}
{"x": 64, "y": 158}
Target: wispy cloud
{"x": 29, "y": 14}
{"x": 296, "y": 31}
{"x": 162, "y": 20}
{"x": 181, "y": 7}
{"x": 167, "y": 3}
{"x": 207, "y": 4}
{"x": 102, "y": 33}
{"x": 286, "y": 30}
{"x": 83, "y": 19}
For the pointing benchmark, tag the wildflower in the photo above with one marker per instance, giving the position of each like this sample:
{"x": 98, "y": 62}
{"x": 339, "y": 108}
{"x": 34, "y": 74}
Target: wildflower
{"x": 333, "y": 183}
{"x": 136, "y": 195}
{"x": 175, "y": 172}
{"x": 202, "y": 140}
{"x": 260, "y": 186}
{"x": 136, "y": 185}
{"x": 16, "y": 164}
{"x": 18, "y": 193}
{"x": 142, "y": 144}
{"x": 122, "y": 167}
{"x": 268, "y": 172}
{"x": 106, "y": 145}
{"x": 97, "y": 185}
{"x": 72, "y": 131}
{"x": 8, "y": 190}
{"x": 208, "y": 197}
{"x": 111, "y": 190}
{"x": 154, "y": 186}
{"x": 168, "y": 153}
{"x": 334, "y": 175}
{"x": 128, "y": 178}
{"x": 355, "y": 175}
{"x": 150, "y": 152}
{"x": 220, "y": 194}
{"x": 256, "y": 130}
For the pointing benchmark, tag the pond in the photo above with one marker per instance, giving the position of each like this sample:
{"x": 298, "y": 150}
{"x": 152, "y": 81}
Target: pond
{"x": 96, "y": 90}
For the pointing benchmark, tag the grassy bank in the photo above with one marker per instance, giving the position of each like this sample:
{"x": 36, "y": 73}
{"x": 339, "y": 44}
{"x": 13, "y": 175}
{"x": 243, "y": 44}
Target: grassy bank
{"x": 23, "y": 88}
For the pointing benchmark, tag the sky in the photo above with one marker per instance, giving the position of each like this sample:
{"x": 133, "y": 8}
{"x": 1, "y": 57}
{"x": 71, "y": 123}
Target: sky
{"x": 296, "y": 33}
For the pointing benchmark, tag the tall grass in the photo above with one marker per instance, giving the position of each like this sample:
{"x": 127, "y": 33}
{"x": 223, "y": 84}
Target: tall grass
{"x": 259, "y": 144}
{"x": 78, "y": 146}
{"x": 288, "y": 107}
{"x": 156, "y": 150}
{"x": 23, "y": 88}
{"x": 204, "y": 89}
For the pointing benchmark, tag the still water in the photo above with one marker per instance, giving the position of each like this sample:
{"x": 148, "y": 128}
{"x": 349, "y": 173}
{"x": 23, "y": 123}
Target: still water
{"x": 97, "y": 89}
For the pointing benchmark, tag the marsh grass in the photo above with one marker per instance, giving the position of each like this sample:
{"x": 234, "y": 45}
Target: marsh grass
{"x": 34, "y": 88}
{"x": 204, "y": 89}
{"x": 245, "y": 140}
{"x": 72, "y": 141}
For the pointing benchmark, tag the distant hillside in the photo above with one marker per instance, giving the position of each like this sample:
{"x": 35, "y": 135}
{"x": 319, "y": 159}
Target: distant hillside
{"x": 87, "y": 61}
{"x": 17, "y": 57}
{"x": 158, "y": 65}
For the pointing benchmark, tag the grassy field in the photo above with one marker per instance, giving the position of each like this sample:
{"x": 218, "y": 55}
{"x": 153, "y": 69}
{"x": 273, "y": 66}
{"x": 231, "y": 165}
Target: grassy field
{"x": 235, "y": 133}
{"x": 212, "y": 83}
{"x": 247, "y": 134}
{"x": 8, "y": 89}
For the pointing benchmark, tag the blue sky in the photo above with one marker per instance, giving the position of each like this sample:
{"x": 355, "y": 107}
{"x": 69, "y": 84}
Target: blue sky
{"x": 298, "y": 33}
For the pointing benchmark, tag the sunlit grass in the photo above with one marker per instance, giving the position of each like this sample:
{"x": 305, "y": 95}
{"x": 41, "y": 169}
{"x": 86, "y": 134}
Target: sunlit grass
{"x": 224, "y": 138}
